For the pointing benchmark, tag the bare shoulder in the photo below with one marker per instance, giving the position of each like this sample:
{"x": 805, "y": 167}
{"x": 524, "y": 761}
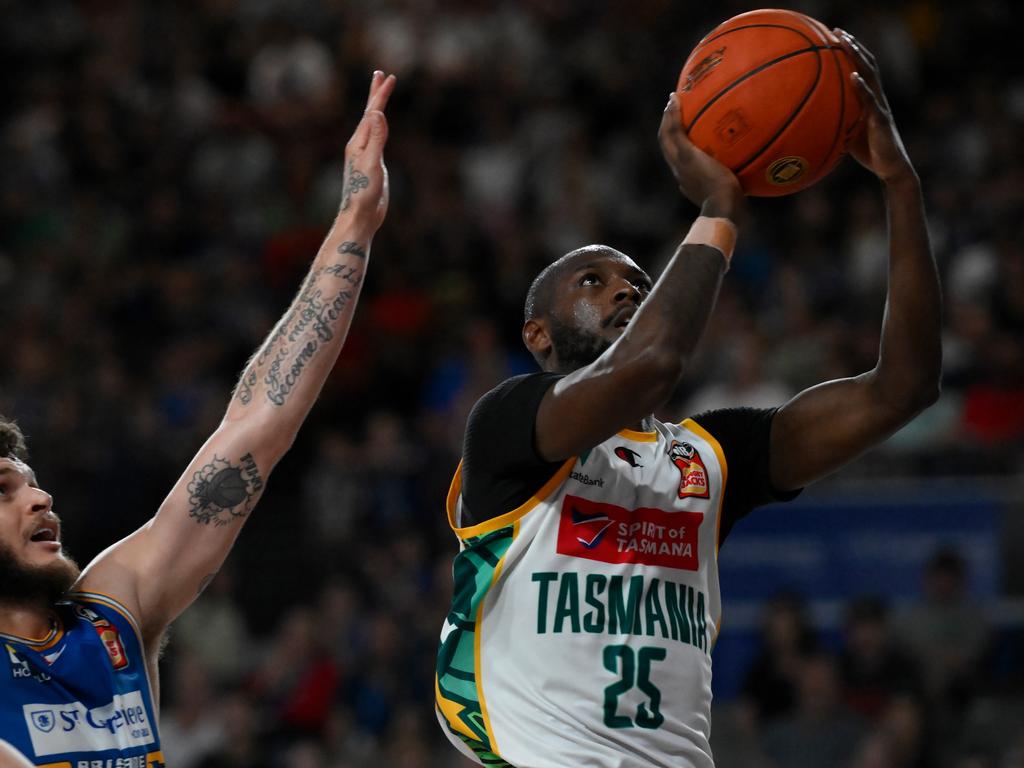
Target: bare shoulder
{"x": 12, "y": 758}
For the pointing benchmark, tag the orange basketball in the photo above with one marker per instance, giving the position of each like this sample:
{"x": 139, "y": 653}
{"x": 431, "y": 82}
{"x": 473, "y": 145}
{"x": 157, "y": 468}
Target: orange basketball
{"x": 768, "y": 93}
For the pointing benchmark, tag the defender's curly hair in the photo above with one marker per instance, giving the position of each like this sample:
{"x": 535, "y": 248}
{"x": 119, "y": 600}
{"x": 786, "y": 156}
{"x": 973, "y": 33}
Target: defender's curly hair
{"x": 12, "y": 441}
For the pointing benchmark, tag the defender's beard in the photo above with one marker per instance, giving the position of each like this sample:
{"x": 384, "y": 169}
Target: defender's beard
{"x": 575, "y": 348}
{"x": 22, "y": 584}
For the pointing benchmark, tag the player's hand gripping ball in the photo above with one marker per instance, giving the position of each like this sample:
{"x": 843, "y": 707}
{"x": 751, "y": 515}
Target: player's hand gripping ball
{"x": 768, "y": 93}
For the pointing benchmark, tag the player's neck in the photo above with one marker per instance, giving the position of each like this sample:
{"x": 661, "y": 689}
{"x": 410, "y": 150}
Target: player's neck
{"x": 27, "y": 621}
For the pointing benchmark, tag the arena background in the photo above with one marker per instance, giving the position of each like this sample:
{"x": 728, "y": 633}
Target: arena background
{"x": 168, "y": 172}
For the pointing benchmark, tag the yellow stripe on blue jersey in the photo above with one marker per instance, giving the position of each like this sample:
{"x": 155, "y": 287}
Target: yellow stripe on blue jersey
{"x": 83, "y": 695}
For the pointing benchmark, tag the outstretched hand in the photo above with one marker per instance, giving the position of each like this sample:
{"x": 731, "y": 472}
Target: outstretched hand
{"x": 702, "y": 179}
{"x": 878, "y": 147}
{"x": 364, "y": 196}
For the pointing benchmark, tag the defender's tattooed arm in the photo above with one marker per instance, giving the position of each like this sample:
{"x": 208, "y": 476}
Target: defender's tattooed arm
{"x": 158, "y": 570}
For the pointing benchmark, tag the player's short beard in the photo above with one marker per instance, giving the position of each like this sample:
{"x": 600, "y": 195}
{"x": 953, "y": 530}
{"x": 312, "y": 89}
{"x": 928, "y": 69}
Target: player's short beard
{"x": 22, "y": 584}
{"x": 575, "y": 348}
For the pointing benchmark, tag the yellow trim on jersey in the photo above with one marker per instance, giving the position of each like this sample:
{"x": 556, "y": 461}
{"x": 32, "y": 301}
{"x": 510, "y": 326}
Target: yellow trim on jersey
{"x": 693, "y": 426}
{"x": 478, "y": 672}
{"x": 508, "y": 517}
{"x": 637, "y": 436}
{"x": 103, "y": 599}
{"x": 41, "y": 644}
{"x": 110, "y": 602}
{"x": 696, "y": 428}
{"x": 450, "y": 711}
{"x": 56, "y": 765}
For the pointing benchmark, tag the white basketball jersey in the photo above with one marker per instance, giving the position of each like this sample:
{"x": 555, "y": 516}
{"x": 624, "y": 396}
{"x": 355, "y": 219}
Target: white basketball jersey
{"x": 582, "y": 622}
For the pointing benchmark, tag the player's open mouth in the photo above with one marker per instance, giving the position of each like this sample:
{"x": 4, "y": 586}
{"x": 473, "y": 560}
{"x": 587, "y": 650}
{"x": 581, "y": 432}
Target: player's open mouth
{"x": 48, "y": 532}
{"x": 624, "y": 317}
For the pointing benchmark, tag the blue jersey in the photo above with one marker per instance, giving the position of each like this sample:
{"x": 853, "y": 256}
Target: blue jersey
{"x": 81, "y": 697}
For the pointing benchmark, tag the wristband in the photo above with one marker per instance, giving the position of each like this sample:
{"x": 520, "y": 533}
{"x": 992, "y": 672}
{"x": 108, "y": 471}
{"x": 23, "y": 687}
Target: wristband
{"x": 714, "y": 232}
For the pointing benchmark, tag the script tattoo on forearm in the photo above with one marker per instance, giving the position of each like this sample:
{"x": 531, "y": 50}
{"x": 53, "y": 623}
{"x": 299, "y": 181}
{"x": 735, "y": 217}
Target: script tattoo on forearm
{"x": 245, "y": 385}
{"x": 352, "y": 247}
{"x": 346, "y": 272}
{"x": 221, "y": 492}
{"x": 306, "y": 327}
{"x": 355, "y": 182}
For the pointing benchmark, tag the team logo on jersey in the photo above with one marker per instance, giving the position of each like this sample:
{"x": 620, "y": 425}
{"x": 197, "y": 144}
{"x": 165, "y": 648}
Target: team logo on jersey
{"x": 109, "y": 636}
{"x": 629, "y": 456}
{"x": 44, "y": 720}
{"x": 590, "y": 529}
{"x": 111, "y": 640}
{"x": 88, "y": 614}
{"x": 693, "y": 479}
{"x": 613, "y": 534}
{"x": 21, "y": 669}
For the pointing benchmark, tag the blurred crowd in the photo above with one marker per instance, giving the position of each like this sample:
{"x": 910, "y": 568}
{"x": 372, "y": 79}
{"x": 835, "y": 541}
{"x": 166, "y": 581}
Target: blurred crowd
{"x": 169, "y": 171}
{"x": 927, "y": 684}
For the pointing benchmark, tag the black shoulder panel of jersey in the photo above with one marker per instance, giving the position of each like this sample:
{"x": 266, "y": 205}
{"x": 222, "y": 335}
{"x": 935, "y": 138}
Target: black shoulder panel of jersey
{"x": 745, "y": 437}
{"x": 500, "y": 465}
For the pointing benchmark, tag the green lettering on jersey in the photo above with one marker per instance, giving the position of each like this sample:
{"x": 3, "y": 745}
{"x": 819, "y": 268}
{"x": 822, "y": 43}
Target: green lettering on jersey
{"x": 694, "y": 639}
{"x": 624, "y": 614}
{"x": 544, "y": 578}
{"x": 702, "y": 626}
{"x": 593, "y": 621}
{"x": 675, "y": 599}
{"x": 653, "y": 612}
{"x": 568, "y": 603}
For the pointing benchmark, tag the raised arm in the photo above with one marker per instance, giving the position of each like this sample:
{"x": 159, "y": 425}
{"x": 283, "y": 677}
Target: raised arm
{"x": 824, "y": 427}
{"x": 158, "y": 570}
{"x": 641, "y": 369}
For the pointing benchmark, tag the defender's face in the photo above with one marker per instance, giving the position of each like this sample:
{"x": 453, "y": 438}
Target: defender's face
{"x": 601, "y": 293}
{"x": 28, "y": 527}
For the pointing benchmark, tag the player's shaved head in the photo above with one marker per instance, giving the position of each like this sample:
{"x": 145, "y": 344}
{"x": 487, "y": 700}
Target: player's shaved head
{"x": 542, "y": 291}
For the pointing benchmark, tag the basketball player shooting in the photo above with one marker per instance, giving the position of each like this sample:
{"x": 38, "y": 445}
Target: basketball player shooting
{"x": 82, "y": 648}
{"x": 586, "y": 598}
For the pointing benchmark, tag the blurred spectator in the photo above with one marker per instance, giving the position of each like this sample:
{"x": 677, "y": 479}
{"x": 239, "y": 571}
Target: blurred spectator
{"x": 772, "y": 683}
{"x": 191, "y": 728}
{"x": 873, "y": 667}
{"x": 242, "y": 747}
{"x": 820, "y": 732}
{"x": 947, "y": 633}
{"x": 214, "y": 629}
{"x": 900, "y": 738}
{"x": 298, "y": 678}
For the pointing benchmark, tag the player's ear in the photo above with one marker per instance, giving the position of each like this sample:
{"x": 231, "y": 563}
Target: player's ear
{"x": 537, "y": 338}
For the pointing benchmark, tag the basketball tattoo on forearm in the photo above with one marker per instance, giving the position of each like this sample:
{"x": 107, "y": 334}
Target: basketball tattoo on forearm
{"x": 221, "y": 492}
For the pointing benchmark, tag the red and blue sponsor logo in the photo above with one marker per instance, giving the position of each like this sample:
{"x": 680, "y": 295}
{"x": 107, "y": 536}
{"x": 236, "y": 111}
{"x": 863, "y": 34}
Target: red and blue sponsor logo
{"x": 612, "y": 534}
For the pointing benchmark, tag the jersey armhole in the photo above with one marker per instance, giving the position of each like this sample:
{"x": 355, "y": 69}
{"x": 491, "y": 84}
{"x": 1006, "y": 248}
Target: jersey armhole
{"x": 508, "y": 518}
{"x": 109, "y": 602}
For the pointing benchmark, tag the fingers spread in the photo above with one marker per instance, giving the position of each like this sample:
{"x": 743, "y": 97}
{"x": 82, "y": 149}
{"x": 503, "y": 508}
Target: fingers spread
{"x": 379, "y": 96}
